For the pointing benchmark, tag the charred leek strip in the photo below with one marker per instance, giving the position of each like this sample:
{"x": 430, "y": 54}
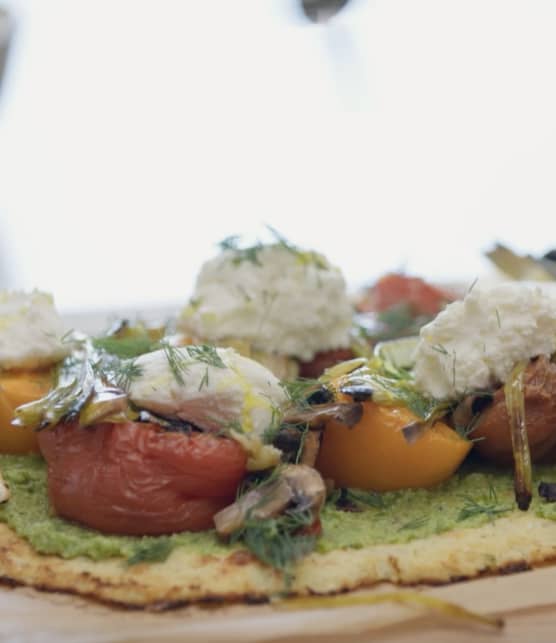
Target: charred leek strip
{"x": 515, "y": 406}
{"x": 75, "y": 386}
{"x": 416, "y": 599}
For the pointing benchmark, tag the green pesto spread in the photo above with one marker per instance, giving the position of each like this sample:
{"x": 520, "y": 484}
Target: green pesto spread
{"x": 468, "y": 499}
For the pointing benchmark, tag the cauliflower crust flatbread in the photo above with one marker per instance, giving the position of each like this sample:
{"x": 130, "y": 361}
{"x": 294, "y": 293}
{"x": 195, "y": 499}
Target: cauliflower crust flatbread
{"x": 513, "y": 543}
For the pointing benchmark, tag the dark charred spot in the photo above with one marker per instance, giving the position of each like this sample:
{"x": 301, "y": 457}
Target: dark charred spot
{"x": 547, "y": 490}
{"x": 481, "y": 402}
{"x": 320, "y": 396}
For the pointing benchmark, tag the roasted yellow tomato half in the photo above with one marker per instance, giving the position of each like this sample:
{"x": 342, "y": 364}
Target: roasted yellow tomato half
{"x": 17, "y": 389}
{"x": 374, "y": 454}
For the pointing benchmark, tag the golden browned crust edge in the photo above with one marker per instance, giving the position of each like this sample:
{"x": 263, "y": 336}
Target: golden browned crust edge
{"x": 508, "y": 545}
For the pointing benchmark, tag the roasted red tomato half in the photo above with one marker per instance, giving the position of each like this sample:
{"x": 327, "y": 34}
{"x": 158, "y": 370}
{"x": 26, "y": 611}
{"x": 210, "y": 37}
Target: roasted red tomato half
{"x": 395, "y": 289}
{"x": 134, "y": 478}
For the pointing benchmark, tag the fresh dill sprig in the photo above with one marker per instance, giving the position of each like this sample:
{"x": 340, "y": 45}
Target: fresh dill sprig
{"x": 473, "y": 284}
{"x": 439, "y": 348}
{"x": 304, "y": 256}
{"x": 125, "y": 372}
{"x": 303, "y": 434}
{"x": 206, "y": 354}
{"x": 389, "y": 388}
{"x": 251, "y": 253}
{"x": 205, "y": 380}
{"x": 230, "y": 243}
{"x": 487, "y": 506}
{"x": 358, "y": 499}
{"x": 176, "y": 361}
{"x": 272, "y": 430}
{"x": 180, "y": 359}
{"x": 300, "y": 390}
{"x": 278, "y": 542}
{"x": 232, "y": 425}
{"x": 368, "y": 498}
{"x": 498, "y": 318}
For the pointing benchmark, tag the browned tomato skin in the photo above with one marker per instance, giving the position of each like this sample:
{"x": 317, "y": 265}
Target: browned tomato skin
{"x": 324, "y": 360}
{"x": 492, "y": 431}
{"x": 136, "y": 479}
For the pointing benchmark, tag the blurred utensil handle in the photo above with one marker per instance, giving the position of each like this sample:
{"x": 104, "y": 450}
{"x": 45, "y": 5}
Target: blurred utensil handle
{"x": 6, "y": 31}
{"x": 322, "y": 10}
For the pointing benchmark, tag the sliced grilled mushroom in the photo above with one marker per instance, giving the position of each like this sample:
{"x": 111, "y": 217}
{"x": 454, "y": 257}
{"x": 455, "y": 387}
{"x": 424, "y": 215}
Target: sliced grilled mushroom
{"x": 311, "y": 446}
{"x": 348, "y": 414}
{"x": 297, "y": 486}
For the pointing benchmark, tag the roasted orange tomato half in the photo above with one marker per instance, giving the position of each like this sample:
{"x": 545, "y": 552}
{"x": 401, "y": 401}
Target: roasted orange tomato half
{"x": 375, "y": 455}
{"x": 17, "y": 388}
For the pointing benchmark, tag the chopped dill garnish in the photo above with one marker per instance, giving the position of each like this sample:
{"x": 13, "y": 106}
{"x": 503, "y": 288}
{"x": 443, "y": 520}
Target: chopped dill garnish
{"x": 232, "y": 425}
{"x": 230, "y": 243}
{"x": 180, "y": 359}
{"x": 439, "y": 348}
{"x": 398, "y": 386}
{"x": 123, "y": 373}
{"x": 68, "y": 337}
{"x": 300, "y": 390}
{"x": 498, "y": 318}
{"x": 416, "y": 523}
{"x": 358, "y": 499}
{"x": 272, "y": 430}
{"x": 278, "y": 541}
{"x": 251, "y": 253}
{"x": 487, "y": 506}
{"x": 152, "y": 552}
{"x": 205, "y": 380}
{"x": 176, "y": 361}
{"x": 304, "y": 256}
{"x": 206, "y": 354}
{"x": 244, "y": 293}
{"x": 303, "y": 434}
{"x": 473, "y": 284}
{"x": 454, "y": 370}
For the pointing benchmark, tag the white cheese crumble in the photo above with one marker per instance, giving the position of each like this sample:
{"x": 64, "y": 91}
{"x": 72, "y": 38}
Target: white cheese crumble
{"x": 475, "y": 343}
{"x": 4, "y": 491}
{"x": 281, "y": 301}
{"x": 241, "y": 395}
{"x": 30, "y": 330}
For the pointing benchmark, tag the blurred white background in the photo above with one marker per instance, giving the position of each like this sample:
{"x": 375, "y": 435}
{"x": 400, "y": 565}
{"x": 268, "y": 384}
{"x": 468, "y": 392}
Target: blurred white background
{"x": 134, "y": 135}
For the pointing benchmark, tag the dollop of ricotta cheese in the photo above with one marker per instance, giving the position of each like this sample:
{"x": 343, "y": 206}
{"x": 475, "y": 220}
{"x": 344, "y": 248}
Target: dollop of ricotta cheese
{"x": 219, "y": 391}
{"x": 279, "y": 299}
{"x": 475, "y": 343}
{"x": 31, "y": 330}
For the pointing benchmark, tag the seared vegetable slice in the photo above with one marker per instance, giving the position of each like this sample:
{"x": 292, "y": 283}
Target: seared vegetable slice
{"x": 75, "y": 386}
{"x": 402, "y": 597}
{"x": 515, "y": 404}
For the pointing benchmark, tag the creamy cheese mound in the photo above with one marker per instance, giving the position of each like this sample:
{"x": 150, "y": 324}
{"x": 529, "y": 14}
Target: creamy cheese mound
{"x": 475, "y": 343}
{"x": 279, "y": 299}
{"x": 30, "y": 330}
{"x": 239, "y": 394}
